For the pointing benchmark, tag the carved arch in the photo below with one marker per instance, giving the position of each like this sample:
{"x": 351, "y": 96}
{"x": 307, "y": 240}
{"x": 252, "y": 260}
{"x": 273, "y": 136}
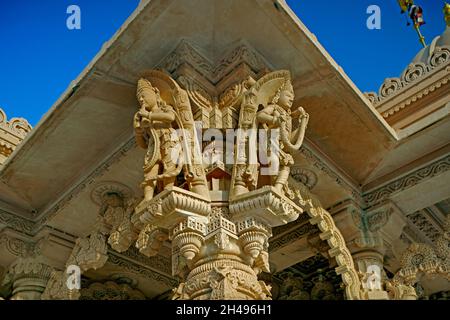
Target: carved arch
{"x": 329, "y": 232}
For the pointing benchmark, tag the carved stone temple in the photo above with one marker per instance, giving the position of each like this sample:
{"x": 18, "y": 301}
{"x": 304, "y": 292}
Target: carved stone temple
{"x": 215, "y": 150}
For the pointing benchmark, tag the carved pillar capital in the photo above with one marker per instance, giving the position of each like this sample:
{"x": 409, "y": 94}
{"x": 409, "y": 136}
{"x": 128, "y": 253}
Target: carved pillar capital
{"x": 28, "y": 277}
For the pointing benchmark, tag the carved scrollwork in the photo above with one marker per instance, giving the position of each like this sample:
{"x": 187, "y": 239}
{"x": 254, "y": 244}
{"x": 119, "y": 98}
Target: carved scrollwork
{"x": 372, "y": 96}
{"x": 439, "y": 57}
{"x": 437, "y": 61}
{"x": 389, "y": 87}
{"x": 414, "y": 72}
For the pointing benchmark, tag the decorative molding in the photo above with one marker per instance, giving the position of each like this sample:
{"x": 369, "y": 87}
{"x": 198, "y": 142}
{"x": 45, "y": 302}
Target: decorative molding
{"x": 18, "y": 127}
{"x": 318, "y": 163}
{"x": 139, "y": 269}
{"x": 417, "y": 96}
{"x": 305, "y": 176}
{"x": 301, "y": 220}
{"x": 421, "y": 258}
{"x": 421, "y": 222}
{"x": 382, "y": 193}
{"x": 160, "y": 263}
{"x": 17, "y": 223}
{"x": 321, "y": 218}
{"x": 291, "y": 236}
{"x": 102, "y": 188}
{"x": 186, "y": 53}
{"x": 413, "y": 74}
{"x": 16, "y": 247}
{"x": 110, "y": 290}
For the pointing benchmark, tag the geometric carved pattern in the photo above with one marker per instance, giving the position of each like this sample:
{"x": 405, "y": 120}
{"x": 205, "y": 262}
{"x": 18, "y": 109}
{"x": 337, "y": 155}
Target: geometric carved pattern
{"x": 438, "y": 167}
{"x": 150, "y": 273}
{"x": 420, "y": 220}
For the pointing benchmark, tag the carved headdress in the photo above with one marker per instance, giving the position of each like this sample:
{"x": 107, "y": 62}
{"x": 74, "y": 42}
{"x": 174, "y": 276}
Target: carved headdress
{"x": 286, "y": 86}
{"x": 144, "y": 84}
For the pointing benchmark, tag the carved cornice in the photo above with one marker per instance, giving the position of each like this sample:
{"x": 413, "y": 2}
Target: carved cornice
{"x": 266, "y": 204}
{"x": 421, "y": 222}
{"x": 158, "y": 262}
{"x": 291, "y": 236}
{"x": 415, "y": 73}
{"x": 15, "y": 246}
{"x": 139, "y": 269}
{"x": 417, "y": 96}
{"x": 318, "y": 163}
{"x": 382, "y": 193}
{"x": 16, "y": 222}
{"x": 168, "y": 207}
{"x": 17, "y": 127}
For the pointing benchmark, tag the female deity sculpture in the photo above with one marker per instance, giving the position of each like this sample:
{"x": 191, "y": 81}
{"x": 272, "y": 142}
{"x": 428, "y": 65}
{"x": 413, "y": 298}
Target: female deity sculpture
{"x": 154, "y": 132}
{"x": 278, "y": 115}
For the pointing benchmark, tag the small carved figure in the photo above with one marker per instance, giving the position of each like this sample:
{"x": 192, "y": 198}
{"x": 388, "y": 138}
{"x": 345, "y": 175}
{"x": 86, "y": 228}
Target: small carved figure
{"x": 154, "y": 130}
{"x": 278, "y": 115}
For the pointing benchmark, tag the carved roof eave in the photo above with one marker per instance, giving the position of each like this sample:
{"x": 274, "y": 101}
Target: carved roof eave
{"x": 434, "y": 83}
{"x": 417, "y": 82}
{"x": 117, "y": 43}
{"x": 100, "y": 72}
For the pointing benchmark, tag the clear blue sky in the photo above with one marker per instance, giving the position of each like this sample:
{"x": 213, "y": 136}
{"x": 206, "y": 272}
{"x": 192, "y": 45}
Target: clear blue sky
{"x": 39, "y": 56}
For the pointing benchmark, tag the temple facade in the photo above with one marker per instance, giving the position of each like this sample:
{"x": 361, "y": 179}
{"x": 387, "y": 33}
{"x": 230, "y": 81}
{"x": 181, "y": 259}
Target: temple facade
{"x": 198, "y": 157}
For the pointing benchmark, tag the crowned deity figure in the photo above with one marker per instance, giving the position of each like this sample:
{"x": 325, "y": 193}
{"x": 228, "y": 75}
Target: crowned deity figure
{"x": 153, "y": 125}
{"x": 278, "y": 114}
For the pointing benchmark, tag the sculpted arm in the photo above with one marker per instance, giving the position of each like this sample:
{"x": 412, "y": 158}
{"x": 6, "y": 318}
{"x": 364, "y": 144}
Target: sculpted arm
{"x": 295, "y": 140}
{"x": 267, "y": 116}
{"x": 168, "y": 116}
{"x": 139, "y": 132}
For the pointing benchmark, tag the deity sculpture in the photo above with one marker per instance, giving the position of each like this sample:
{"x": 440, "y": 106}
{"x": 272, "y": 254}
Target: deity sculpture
{"x": 278, "y": 114}
{"x": 154, "y": 132}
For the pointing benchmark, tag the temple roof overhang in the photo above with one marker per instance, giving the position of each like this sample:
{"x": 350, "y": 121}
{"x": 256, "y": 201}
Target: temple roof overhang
{"x": 93, "y": 118}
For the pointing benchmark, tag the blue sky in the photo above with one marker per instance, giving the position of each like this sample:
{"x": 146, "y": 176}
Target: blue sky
{"x": 39, "y": 56}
